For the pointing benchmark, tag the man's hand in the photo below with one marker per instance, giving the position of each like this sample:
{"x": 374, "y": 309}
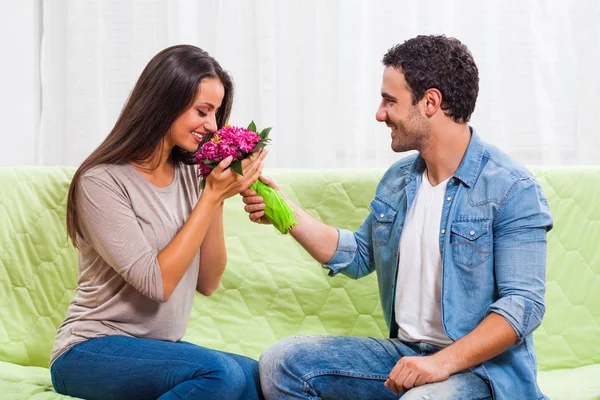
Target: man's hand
{"x": 410, "y": 372}
{"x": 255, "y": 205}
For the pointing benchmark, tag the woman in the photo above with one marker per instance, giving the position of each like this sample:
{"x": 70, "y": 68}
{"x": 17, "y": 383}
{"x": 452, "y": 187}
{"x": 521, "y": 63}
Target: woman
{"x": 148, "y": 240}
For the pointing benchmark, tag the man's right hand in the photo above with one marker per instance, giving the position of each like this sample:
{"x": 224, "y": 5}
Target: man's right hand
{"x": 255, "y": 205}
{"x": 319, "y": 239}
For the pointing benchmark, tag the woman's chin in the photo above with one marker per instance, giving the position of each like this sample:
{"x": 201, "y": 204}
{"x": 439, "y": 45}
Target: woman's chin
{"x": 191, "y": 147}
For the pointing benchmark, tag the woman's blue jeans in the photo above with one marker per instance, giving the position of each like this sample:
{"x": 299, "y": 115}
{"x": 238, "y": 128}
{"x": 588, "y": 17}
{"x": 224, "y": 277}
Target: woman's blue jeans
{"x": 120, "y": 367}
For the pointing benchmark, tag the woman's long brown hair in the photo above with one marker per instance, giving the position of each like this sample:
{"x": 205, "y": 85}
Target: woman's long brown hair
{"x": 165, "y": 89}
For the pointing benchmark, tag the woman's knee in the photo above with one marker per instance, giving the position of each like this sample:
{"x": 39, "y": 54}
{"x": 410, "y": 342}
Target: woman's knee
{"x": 250, "y": 368}
{"x": 226, "y": 377}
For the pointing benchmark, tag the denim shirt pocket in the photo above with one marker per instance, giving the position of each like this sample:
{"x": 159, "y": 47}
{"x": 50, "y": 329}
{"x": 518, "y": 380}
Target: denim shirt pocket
{"x": 384, "y": 216}
{"x": 471, "y": 242}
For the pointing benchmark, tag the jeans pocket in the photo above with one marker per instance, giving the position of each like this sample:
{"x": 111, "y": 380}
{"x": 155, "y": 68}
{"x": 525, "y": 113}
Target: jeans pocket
{"x": 471, "y": 242}
{"x": 384, "y": 216}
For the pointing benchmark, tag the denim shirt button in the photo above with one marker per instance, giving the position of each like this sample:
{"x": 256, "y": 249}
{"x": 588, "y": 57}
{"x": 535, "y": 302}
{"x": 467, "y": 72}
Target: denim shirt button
{"x": 449, "y": 198}
{"x": 382, "y": 215}
{"x": 472, "y": 233}
{"x": 443, "y": 231}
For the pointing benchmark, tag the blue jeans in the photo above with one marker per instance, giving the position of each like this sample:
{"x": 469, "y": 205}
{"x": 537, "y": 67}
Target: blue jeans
{"x": 120, "y": 367}
{"x": 341, "y": 367}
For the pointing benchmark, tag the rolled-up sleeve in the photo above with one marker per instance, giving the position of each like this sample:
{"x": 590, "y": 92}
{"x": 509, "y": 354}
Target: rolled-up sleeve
{"x": 520, "y": 258}
{"x": 354, "y": 254}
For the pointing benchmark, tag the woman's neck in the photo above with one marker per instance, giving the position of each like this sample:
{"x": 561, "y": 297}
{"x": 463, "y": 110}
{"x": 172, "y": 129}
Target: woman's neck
{"x": 158, "y": 168}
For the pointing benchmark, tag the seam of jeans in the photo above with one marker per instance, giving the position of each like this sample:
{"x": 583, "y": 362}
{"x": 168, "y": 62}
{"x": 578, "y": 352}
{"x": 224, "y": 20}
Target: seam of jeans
{"x": 62, "y": 383}
{"x": 184, "y": 362}
{"x": 314, "y": 374}
{"x": 137, "y": 358}
{"x": 305, "y": 390}
{"x": 187, "y": 396}
{"x": 195, "y": 389}
{"x": 55, "y": 366}
{"x": 134, "y": 358}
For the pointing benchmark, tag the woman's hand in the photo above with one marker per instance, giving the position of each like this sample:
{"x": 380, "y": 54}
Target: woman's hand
{"x": 225, "y": 182}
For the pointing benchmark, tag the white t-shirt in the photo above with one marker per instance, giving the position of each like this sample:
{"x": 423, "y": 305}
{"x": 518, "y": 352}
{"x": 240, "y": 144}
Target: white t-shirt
{"x": 418, "y": 305}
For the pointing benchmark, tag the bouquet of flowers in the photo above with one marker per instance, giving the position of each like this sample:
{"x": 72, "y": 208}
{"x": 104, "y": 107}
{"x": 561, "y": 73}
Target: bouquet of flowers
{"x": 240, "y": 143}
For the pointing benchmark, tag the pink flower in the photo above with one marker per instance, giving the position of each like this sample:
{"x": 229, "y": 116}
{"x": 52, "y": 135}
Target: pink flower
{"x": 226, "y": 150}
{"x": 232, "y": 141}
{"x": 204, "y": 169}
{"x": 210, "y": 151}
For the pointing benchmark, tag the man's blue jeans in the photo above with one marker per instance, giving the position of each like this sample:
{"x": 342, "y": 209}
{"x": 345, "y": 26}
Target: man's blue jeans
{"x": 352, "y": 368}
{"x": 120, "y": 367}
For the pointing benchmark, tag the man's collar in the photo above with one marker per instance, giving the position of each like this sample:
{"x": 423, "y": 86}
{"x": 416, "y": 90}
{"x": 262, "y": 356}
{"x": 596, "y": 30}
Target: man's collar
{"x": 468, "y": 170}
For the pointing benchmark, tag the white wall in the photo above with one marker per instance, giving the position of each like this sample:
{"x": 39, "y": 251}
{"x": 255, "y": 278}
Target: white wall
{"x": 19, "y": 81}
{"x": 309, "y": 68}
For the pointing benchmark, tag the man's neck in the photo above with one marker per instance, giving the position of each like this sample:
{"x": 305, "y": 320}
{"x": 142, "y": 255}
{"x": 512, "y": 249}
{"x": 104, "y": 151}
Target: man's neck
{"x": 445, "y": 150}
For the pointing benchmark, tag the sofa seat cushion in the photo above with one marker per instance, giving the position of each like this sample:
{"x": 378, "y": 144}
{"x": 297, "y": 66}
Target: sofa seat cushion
{"x": 24, "y": 383}
{"x": 581, "y": 383}
{"x": 21, "y": 383}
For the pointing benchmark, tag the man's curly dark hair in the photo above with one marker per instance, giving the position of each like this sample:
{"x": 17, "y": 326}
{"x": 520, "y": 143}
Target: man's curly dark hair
{"x": 440, "y": 62}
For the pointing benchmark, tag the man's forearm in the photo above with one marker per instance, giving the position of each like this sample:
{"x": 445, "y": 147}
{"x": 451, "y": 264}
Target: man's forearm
{"x": 491, "y": 337}
{"x": 318, "y": 239}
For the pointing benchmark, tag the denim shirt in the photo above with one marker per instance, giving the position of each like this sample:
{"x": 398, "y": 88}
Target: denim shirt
{"x": 492, "y": 242}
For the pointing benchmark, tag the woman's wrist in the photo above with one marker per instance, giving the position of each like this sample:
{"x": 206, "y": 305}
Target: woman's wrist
{"x": 212, "y": 197}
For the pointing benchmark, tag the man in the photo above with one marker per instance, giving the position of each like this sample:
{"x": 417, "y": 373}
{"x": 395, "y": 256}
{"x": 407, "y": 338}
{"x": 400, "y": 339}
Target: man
{"x": 457, "y": 235}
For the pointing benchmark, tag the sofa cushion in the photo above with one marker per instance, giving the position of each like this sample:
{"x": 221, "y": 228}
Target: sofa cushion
{"x": 571, "y": 384}
{"x": 570, "y": 333}
{"x": 272, "y": 288}
{"x": 24, "y": 383}
{"x": 38, "y": 266}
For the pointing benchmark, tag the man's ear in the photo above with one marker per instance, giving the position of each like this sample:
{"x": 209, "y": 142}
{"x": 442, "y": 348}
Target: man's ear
{"x": 433, "y": 101}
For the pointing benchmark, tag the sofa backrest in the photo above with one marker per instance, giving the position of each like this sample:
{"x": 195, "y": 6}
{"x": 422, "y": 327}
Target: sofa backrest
{"x": 272, "y": 288}
{"x": 38, "y": 266}
{"x": 570, "y": 333}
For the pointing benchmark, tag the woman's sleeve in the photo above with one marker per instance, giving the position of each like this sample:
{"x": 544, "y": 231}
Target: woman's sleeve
{"x": 109, "y": 225}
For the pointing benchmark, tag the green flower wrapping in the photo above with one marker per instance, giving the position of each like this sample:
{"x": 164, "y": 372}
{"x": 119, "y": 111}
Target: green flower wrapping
{"x": 277, "y": 210}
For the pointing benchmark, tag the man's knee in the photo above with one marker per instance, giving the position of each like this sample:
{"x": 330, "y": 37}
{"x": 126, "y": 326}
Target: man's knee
{"x": 274, "y": 360}
{"x": 290, "y": 358}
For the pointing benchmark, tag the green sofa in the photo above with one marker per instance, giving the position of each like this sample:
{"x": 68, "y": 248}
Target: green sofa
{"x": 273, "y": 289}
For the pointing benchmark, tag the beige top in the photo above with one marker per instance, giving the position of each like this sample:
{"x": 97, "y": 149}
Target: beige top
{"x": 126, "y": 221}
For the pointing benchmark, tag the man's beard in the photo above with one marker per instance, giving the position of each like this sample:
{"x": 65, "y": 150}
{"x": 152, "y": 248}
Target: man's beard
{"x": 410, "y": 136}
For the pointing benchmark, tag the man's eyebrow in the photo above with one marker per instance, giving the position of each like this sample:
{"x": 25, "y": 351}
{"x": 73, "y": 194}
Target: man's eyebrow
{"x": 388, "y": 96}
